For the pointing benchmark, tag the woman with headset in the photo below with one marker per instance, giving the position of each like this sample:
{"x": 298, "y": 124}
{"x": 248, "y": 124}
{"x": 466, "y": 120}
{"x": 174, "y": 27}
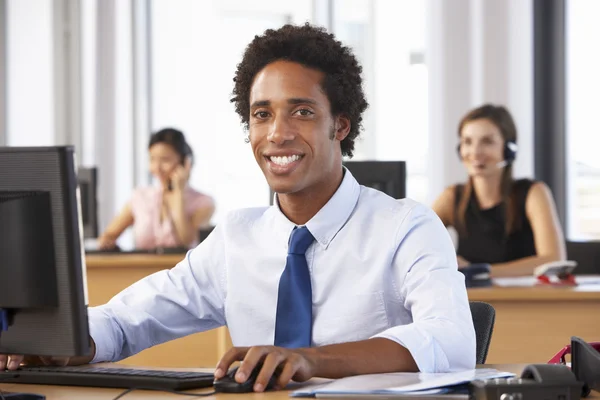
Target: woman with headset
{"x": 510, "y": 224}
{"x": 170, "y": 213}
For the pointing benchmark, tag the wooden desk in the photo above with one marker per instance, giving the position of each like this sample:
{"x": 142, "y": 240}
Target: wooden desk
{"x": 72, "y": 392}
{"x": 108, "y": 274}
{"x": 532, "y": 323}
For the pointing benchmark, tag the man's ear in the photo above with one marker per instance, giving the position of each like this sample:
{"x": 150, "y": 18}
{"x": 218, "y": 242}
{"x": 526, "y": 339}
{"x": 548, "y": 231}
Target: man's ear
{"x": 341, "y": 127}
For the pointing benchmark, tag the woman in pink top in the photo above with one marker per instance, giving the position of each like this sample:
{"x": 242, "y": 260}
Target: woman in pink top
{"x": 170, "y": 214}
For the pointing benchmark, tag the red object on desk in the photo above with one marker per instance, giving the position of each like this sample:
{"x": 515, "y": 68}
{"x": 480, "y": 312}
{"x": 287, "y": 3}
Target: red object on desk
{"x": 565, "y": 280}
{"x": 559, "y": 358}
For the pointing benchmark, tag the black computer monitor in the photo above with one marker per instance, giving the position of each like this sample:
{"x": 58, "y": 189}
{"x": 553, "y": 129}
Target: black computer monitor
{"x": 88, "y": 184}
{"x": 42, "y": 267}
{"x": 386, "y": 176}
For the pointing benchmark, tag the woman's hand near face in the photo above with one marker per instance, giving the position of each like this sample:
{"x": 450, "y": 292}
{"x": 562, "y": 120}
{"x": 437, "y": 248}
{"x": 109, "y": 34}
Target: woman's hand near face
{"x": 181, "y": 174}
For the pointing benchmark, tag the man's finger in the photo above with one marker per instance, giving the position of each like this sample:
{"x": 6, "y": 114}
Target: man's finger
{"x": 3, "y": 361}
{"x": 55, "y": 361}
{"x": 253, "y": 356}
{"x": 232, "y": 355}
{"x": 31, "y": 360}
{"x": 60, "y": 361}
{"x": 287, "y": 372}
{"x": 270, "y": 364}
{"x": 14, "y": 361}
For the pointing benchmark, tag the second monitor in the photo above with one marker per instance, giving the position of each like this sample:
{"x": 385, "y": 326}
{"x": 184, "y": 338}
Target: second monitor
{"x": 388, "y": 177}
{"x": 87, "y": 179}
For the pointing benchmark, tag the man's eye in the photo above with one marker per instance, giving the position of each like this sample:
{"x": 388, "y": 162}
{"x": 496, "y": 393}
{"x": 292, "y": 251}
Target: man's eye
{"x": 304, "y": 112}
{"x": 261, "y": 114}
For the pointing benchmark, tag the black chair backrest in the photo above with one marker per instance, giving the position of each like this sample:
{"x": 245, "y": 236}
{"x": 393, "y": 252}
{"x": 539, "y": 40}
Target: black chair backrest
{"x": 204, "y": 232}
{"x": 587, "y": 255}
{"x": 484, "y": 316}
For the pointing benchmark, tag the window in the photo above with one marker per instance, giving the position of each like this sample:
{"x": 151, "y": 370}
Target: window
{"x": 583, "y": 142}
{"x": 388, "y": 37}
{"x": 30, "y": 118}
{"x": 196, "y": 47}
{"x": 192, "y": 84}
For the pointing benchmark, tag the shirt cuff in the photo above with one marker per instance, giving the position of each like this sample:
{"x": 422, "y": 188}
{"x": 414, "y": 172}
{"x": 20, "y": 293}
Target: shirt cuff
{"x": 424, "y": 349}
{"x": 99, "y": 325}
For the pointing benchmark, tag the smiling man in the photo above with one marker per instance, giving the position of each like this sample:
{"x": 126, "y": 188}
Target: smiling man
{"x": 335, "y": 279}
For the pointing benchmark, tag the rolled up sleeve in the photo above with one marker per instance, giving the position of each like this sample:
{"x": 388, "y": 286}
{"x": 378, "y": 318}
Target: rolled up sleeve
{"x": 441, "y": 337}
{"x": 164, "y": 306}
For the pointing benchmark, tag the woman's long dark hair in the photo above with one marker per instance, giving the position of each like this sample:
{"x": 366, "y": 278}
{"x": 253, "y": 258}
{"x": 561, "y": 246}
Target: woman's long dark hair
{"x": 500, "y": 117}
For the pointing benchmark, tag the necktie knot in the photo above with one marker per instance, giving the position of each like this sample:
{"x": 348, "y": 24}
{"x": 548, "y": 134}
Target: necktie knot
{"x": 300, "y": 240}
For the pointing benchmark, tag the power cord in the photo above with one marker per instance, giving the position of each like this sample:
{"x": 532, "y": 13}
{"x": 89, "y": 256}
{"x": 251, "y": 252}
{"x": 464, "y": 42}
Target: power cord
{"x": 127, "y": 391}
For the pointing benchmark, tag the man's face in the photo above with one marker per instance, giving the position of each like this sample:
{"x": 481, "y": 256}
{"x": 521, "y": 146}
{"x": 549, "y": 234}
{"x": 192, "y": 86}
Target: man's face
{"x": 294, "y": 137}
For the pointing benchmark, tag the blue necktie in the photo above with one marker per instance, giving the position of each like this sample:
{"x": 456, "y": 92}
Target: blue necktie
{"x": 293, "y": 324}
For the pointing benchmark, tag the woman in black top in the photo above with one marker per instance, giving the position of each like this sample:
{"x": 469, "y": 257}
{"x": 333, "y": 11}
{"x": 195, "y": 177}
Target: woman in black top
{"x": 510, "y": 224}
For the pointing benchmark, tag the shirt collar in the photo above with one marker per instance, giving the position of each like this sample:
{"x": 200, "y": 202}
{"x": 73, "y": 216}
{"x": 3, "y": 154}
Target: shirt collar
{"x": 332, "y": 216}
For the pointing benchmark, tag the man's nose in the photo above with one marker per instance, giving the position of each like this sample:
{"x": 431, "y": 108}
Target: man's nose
{"x": 281, "y": 130}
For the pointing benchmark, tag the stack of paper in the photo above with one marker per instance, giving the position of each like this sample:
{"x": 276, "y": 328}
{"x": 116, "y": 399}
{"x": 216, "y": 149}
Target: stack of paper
{"x": 399, "y": 383}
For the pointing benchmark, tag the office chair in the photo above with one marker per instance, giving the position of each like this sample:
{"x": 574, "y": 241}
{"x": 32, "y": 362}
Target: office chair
{"x": 204, "y": 232}
{"x": 483, "y": 320}
{"x": 587, "y": 255}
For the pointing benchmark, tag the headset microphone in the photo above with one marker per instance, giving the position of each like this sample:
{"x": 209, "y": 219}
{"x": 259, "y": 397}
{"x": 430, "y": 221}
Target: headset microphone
{"x": 501, "y": 164}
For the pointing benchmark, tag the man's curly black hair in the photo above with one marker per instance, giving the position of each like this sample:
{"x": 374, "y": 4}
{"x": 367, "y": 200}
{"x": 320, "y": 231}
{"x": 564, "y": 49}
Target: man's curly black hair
{"x": 312, "y": 47}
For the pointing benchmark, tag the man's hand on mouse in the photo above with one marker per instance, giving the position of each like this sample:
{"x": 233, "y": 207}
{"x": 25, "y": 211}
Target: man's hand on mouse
{"x": 294, "y": 364}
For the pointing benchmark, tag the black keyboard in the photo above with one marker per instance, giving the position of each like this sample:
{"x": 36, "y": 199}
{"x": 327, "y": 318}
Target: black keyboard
{"x": 109, "y": 377}
{"x": 160, "y": 250}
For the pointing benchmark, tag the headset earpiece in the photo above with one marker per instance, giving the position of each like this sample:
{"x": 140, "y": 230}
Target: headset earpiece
{"x": 510, "y": 151}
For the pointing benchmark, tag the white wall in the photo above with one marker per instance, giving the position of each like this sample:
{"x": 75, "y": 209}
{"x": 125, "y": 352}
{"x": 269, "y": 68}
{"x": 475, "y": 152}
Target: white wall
{"x": 192, "y": 78}
{"x": 2, "y": 73}
{"x": 30, "y": 111}
{"x": 478, "y": 51}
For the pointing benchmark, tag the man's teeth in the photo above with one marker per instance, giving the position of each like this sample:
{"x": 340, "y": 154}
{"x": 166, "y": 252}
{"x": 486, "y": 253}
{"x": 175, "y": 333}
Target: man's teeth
{"x": 284, "y": 160}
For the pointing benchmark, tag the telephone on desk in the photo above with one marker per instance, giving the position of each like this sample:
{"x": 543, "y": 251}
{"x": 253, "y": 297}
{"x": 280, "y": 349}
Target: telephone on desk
{"x": 477, "y": 275}
{"x": 556, "y": 273}
{"x": 537, "y": 381}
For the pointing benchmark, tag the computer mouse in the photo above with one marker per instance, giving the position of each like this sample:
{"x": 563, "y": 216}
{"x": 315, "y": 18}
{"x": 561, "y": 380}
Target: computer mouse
{"x": 228, "y": 384}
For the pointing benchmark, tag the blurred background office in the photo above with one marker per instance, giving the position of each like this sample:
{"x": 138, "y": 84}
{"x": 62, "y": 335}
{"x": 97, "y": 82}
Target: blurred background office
{"x": 104, "y": 74}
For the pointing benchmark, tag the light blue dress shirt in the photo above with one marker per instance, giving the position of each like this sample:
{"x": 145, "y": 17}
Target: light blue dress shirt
{"x": 379, "y": 267}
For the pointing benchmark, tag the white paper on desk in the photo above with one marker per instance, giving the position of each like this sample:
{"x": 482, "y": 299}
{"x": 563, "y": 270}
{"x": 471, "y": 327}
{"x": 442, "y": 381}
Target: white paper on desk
{"x": 517, "y": 281}
{"x": 584, "y": 283}
{"x": 400, "y": 382}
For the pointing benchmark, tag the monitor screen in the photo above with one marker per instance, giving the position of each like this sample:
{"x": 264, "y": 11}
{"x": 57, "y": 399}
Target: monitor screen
{"x": 42, "y": 267}
{"x": 388, "y": 177}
